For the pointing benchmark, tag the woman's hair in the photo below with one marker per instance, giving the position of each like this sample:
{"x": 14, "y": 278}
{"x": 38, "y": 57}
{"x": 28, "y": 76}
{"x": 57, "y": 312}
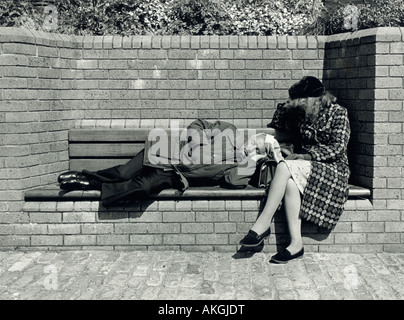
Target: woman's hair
{"x": 327, "y": 99}
{"x": 298, "y": 111}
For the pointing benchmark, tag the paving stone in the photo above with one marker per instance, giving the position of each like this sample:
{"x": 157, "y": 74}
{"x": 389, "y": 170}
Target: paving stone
{"x": 176, "y": 275}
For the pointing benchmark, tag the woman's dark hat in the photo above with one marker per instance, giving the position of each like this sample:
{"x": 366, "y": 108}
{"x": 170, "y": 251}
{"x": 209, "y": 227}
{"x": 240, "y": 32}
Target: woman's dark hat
{"x": 307, "y": 87}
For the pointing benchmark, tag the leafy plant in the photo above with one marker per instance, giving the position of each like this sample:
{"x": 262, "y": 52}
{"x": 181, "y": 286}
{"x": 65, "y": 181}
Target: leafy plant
{"x": 386, "y": 13}
{"x": 251, "y": 18}
{"x": 197, "y": 17}
{"x": 371, "y": 14}
{"x": 83, "y": 16}
{"x": 201, "y": 17}
{"x": 139, "y": 17}
{"x": 13, "y": 13}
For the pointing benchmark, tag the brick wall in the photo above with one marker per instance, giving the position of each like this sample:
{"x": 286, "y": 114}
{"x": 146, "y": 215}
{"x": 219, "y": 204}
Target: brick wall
{"x": 200, "y": 225}
{"x": 367, "y": 74}
{"x": 50, "y": 83}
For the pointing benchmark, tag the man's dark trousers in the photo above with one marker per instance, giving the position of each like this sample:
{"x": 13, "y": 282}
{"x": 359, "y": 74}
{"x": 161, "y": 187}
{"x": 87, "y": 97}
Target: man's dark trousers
{"x": 132, "y": 179}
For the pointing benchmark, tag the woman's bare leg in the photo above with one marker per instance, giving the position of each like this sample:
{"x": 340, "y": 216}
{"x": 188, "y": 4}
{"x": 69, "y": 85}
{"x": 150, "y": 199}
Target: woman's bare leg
{"x": 275, "y": 195}
{"x": 292, "y": 204}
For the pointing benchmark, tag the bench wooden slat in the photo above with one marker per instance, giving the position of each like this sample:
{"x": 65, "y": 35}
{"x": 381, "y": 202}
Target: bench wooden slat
{"x": 107, "y": 135}
{"x": 54, "y": 193}
{"x": 104, "y": 150}
{"x": 95, "y": 164}
{"x": 130, "y": 135}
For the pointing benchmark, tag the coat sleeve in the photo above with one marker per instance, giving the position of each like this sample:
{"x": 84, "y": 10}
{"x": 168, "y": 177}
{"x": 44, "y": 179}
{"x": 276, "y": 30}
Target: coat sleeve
{"x": 338, "y": 139}
{"x": 278, "y": 121}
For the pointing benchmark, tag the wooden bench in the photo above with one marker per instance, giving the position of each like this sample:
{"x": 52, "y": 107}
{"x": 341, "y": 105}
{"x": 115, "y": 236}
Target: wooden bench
{"x": 100, "y": 148}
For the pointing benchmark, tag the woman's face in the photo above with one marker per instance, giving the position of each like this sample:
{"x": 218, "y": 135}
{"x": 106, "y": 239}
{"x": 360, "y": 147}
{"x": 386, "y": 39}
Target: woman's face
{"x": 309, "y": 105}
{"x": 300, "y": 102}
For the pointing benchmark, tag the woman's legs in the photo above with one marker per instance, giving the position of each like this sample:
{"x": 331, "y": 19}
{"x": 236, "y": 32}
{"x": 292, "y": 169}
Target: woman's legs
{"x": 275, "y": 195}
{"x": 292, "y": 210}
{"x": 283, "y": 186}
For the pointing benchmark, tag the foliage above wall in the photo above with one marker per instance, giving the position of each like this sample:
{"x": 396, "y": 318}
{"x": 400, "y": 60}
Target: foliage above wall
{"x": 200, "y": 17}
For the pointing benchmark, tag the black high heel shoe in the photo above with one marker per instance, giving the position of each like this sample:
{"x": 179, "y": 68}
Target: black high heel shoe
{"x": 70, "y": 175}
{"x": 253, "y": 239}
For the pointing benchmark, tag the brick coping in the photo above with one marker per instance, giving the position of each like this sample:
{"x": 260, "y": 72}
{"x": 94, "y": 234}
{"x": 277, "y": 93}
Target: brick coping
{"x": 24, "y": 35}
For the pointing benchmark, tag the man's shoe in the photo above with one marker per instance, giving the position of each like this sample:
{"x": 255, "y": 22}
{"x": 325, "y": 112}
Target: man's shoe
{"x": 284, "y": 256}
{"x": 253, "y": 239}
{"x": 75, "y": 184}
{"x": 70, "y": 175}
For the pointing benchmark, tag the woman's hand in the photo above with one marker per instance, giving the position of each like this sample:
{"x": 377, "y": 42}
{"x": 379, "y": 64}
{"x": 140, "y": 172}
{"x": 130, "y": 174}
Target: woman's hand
{"x": 296, "y": 156}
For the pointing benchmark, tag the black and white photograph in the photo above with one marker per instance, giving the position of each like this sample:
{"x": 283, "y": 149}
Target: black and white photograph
{"x": 202, "y": 158}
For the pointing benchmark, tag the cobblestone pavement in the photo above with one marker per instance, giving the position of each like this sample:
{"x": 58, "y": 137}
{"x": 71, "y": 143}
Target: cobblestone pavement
{"x": 173, "y": 275}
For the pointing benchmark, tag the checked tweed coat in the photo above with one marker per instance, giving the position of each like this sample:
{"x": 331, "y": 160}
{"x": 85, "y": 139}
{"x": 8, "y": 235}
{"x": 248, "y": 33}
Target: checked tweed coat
{"x": 326, "y": 140}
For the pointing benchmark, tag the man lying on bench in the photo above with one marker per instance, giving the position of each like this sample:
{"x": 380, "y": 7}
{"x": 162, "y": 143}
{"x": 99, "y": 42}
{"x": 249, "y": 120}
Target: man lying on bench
{"x": 206, "y": 153}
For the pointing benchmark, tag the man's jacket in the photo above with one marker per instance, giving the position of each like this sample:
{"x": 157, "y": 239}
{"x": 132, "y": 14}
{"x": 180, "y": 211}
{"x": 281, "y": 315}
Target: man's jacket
{"x": 205, "y": 150}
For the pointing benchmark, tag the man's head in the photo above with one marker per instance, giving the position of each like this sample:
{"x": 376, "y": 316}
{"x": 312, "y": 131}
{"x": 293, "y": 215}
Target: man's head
{"x": 255, "y": 147}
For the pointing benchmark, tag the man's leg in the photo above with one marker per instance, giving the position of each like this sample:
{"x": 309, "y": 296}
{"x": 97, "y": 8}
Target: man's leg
{"x": 149, "y": 181}
{"x": 121, "y": 172}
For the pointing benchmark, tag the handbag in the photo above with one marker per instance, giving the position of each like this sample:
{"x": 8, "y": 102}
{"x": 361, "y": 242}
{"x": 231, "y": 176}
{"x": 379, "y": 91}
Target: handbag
{"x": 266, "y": 167}
{"x": 266, "y": 171}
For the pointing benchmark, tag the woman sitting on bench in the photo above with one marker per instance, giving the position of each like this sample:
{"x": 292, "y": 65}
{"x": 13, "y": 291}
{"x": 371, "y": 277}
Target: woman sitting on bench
{"x": 314, "y": 180}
